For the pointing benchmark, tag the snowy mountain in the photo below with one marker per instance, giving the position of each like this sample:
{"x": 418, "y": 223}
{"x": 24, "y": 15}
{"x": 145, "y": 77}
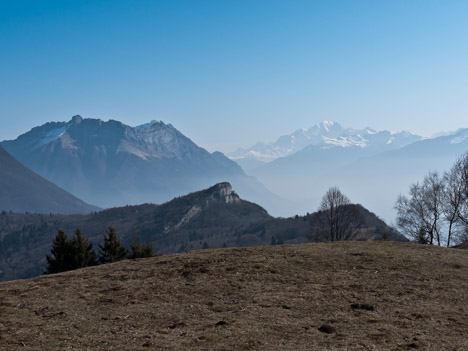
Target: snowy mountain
{"x": 112, "y": 164}
{"x": 327, "y": 135}
{"x": 372, "y": 169}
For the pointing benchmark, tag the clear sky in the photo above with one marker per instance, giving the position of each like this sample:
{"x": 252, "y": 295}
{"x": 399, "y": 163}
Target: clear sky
{"x": 228, "y": 73}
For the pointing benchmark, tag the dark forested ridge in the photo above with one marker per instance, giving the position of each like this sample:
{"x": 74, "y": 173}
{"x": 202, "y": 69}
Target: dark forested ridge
{"x": 212, "y": 218}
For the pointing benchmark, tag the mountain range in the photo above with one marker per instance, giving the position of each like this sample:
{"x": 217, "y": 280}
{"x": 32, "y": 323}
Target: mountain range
{"x": 22, "y": 190}
{"x": 212, "y": 218}
{"x": 371, "y": 167}
{"x": 112, "y": 164}
{"x": 324, "y": 136}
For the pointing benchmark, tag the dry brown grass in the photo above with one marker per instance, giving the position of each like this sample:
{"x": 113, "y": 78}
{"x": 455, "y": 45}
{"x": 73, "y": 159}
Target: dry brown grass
{"x": 362, "y": 296}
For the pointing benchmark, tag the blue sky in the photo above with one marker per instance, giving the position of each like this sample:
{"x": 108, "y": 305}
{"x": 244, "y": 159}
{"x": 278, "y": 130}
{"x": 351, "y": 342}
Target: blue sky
{"x": 230, "y": 73}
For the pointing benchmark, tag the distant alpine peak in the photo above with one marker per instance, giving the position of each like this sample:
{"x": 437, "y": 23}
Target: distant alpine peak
{"x": 327, "y": 125}
{"x": 326, "y": 134}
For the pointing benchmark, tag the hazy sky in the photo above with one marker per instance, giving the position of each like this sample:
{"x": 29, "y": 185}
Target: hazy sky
{"x": 230, "y": 73}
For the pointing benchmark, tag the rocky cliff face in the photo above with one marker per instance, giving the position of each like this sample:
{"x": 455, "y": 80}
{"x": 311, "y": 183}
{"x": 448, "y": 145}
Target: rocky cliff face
{"x": 223, "y": 192}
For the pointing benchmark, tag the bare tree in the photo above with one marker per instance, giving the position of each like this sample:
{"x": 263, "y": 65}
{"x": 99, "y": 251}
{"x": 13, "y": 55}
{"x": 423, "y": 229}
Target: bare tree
{"x": 433, "y": 190}
{"x": 336, "y": 219}
{"x": 454, "y": 197}
{"x": 463, "y": 179}
{"x": 439, "y": 204}
{"x": 422, "y": 210}
{"x": 412, "y": 215}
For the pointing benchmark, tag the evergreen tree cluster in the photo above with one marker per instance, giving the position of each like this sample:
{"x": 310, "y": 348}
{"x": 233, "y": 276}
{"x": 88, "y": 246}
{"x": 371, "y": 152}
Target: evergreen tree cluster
{"x": 68, "y": 254}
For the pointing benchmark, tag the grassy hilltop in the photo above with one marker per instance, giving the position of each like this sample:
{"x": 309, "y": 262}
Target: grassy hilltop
{"x": 340, "y": 296}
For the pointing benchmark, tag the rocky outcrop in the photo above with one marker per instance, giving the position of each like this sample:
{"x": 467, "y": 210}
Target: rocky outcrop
{"x": 223, "y": 192}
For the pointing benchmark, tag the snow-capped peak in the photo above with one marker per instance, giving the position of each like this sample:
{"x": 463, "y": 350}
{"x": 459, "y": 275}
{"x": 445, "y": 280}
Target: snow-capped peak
{"x": 328, "y": 134}
{"x": 327, "y": 124}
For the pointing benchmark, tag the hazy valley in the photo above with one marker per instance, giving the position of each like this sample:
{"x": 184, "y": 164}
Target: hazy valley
{"x": 372, "y": 167}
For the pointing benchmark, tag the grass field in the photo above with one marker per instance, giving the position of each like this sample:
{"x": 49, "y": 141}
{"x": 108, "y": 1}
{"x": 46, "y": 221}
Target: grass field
{"x": 340, "y": 296}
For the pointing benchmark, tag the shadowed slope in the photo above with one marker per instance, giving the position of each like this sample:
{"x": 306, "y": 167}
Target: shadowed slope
{"x": 22, "y": 190}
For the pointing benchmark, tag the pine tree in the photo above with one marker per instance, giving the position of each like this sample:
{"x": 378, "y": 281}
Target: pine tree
{"x": 59, "y": 260}
{"x": 113, "y": 250}
{"x": 82, "y": 251}
{"x": 69, "y": 254}
{"x": 141, "y": 251}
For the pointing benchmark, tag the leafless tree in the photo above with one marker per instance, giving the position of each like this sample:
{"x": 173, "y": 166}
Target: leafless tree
{"x": 462, "y": 174}
{"x": 433, "y": 189}
{"x": 438, "y": 205}
{"x": 422, "y": 210}
{"x": 337, "y": 219}
{"x": 412, "y": 215}
{"x": 454, "y": 197}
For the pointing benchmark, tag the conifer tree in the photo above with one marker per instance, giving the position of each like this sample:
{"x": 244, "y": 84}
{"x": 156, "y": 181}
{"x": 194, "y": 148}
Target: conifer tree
{"x": 59, "y": 260}
{"x": 141, "y": 250}
{"x": 113, "y": 250}
{"x": 69, "y": 254}
{"x": 82, "y": 251}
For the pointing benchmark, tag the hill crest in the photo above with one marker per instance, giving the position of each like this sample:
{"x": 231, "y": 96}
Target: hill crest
{"x": 371, "y": 295}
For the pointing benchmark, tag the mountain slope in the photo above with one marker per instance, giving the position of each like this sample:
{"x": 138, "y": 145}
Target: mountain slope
{"x": 215, "y": 217}
{"x": 22, "y": 190}
{"x": 371, "y": 295}
{"x": 112, "y": 164}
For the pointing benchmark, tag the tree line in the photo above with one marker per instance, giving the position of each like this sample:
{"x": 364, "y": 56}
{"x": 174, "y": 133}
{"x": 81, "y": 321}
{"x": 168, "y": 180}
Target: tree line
{"x": 77, "y": 252}
{"x": 436, "y": 209}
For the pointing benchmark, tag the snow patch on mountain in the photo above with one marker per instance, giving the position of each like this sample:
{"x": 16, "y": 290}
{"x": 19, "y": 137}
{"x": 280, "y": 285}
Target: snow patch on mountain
{"x": 344, "y": 142}
{"x": 459, "y": 139}
{"x": 52, "y": 135}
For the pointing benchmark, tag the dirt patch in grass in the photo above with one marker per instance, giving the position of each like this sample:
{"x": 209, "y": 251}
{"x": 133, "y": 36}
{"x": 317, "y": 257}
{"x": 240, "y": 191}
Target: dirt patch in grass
{"x": 343, "y": 296}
